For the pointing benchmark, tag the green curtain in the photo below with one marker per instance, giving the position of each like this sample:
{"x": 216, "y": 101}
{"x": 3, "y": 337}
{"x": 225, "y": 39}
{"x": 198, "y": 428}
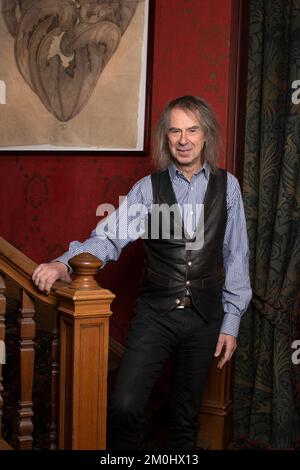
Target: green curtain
{"x": 265, "y": 411}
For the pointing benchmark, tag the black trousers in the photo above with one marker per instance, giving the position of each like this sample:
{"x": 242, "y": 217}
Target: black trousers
{"x": 153, "y": 337}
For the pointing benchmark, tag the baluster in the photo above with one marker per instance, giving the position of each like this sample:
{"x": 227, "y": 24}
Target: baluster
{"x": 26, "y": 371}
{"x": 54, "y": 387}
{"x": 2, "y": 339}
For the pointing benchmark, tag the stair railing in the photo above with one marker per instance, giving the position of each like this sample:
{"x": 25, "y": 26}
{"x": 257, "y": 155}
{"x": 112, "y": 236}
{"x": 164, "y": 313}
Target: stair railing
{"x": 79, "y": 314}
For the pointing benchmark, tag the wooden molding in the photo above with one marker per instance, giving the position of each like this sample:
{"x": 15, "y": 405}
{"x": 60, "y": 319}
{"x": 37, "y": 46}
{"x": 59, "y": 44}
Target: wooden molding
{"x": 237, "y": 87}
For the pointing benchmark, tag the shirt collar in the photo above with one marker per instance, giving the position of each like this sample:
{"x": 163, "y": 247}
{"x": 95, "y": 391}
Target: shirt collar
{"x": 173, "y": 171}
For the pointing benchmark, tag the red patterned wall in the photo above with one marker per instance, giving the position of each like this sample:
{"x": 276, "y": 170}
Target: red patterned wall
{"x": 47, "y": 201}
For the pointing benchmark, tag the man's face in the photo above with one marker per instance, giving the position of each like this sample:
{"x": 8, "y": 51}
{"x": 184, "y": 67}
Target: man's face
{"x": 185, "y": 137}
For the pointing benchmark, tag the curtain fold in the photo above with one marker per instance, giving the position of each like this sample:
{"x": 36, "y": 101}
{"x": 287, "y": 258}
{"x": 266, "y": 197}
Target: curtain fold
{"x": 265, "y": 409}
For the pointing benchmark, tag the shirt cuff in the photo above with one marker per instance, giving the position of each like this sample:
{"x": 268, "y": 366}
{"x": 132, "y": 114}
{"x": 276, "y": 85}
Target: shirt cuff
{"x": 64, "y": 259}
{"x": 231, "y": 324}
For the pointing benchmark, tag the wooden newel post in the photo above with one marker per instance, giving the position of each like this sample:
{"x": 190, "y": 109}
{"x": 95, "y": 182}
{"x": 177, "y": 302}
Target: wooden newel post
{"x": 84, "y": 309}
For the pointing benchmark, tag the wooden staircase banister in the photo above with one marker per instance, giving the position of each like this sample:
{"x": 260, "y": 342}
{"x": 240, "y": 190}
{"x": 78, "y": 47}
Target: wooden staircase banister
{"x": 83, "y": 311}
{"x": 19, "y": 268}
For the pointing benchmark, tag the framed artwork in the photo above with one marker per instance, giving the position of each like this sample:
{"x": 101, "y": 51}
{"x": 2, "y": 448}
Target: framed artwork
{"x": 75, "y": 75}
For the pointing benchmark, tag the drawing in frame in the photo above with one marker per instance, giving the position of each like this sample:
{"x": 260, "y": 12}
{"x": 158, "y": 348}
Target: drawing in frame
{"x": 75, "y": 76}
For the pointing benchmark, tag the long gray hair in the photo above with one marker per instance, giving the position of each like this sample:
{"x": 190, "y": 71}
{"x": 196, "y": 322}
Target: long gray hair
{"x": 209, "y": 125}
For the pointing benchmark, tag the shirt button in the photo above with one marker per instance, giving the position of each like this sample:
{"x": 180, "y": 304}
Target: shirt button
{"x": 177, "y": 301}
{"x": 192, "y": 187}
{"x": 191, "y": 212}
{"x": 189, "y": 263}
{"x": 187, "y": 283}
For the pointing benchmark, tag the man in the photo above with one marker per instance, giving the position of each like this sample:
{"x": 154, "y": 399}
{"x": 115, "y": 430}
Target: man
{"x": 195, "y": 286}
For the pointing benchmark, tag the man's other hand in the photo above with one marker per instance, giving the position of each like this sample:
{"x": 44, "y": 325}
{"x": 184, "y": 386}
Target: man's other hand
{"x": 46, "y": 274}
{"x": 225, "y": 347}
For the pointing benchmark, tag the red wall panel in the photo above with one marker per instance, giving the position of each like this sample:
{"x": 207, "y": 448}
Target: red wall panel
{"x": 47, "y": 201}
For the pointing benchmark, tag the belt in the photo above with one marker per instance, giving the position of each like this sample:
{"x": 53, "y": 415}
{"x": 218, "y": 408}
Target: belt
{"x": 184, "y": 302}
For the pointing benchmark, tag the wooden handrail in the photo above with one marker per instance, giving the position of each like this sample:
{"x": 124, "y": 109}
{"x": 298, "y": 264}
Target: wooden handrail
{"x": 83, "y": 312}
{"x": 18, "y": 267}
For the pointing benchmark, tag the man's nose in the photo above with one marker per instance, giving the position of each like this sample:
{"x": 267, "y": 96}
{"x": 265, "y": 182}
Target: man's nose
{"x": 183, "y": 138}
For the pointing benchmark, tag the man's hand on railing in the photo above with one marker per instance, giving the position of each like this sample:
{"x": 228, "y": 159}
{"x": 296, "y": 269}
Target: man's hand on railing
{"x": 46, "y": 274}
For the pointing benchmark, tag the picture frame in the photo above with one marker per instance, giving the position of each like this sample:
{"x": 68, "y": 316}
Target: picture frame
{"x": 76, "y": 80}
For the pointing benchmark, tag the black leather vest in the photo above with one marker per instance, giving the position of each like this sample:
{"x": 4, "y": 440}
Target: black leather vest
{"x": 174, "y": 264}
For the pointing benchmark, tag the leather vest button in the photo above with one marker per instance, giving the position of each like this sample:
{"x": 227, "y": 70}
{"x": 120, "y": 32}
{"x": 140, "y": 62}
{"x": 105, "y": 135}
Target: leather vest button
{"x": 187, "y": 283}
{"x": 189, "y": 263}
{"x": 177, "y": 301}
